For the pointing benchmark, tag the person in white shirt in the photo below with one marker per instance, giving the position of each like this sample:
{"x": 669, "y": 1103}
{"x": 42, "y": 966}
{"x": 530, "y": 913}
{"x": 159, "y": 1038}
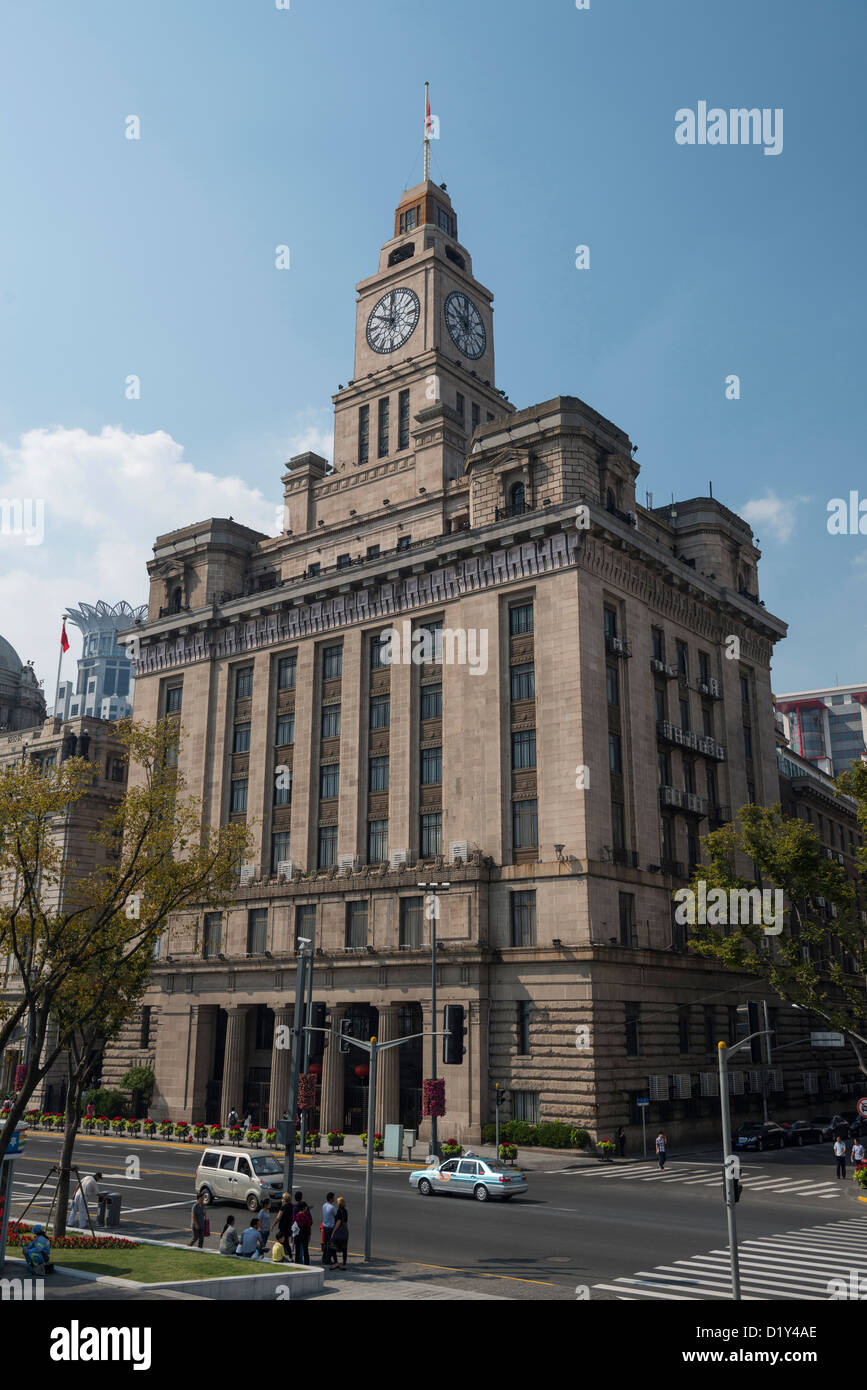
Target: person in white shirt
{"x": 858, "y": 1151}
{"x": 840, "y": 1153}
{"x": 91, "y": 1196}
{"x": 661, "y": 1142}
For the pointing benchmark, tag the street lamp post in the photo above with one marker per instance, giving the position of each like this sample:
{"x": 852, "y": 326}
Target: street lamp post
{"x": 729, "y": 1161}
{"x": 433, "y": 911}
{"x": 299, "y": 1036}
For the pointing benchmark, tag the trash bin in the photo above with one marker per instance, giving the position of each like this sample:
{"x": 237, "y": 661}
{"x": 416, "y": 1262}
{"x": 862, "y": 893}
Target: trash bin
{"x": 109, "y": 1209}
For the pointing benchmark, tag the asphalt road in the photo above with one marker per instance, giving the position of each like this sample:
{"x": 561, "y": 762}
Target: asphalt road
{"x": 577, "y": 1225}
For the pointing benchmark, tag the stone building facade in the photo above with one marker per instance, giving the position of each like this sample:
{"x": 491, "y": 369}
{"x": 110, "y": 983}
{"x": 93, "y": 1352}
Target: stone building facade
{"x": 600, "y": 699}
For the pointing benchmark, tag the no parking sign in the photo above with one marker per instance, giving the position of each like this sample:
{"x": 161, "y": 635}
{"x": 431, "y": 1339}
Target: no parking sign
{"x": 862, "y": 1108}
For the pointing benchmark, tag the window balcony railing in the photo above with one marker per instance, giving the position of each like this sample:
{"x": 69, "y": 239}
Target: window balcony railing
{"x": 709, "y": 687}
{"x": 672, "y": 867}
{"x": 719, "y": 815}
{"x": 662, "y": 668}
{"x": 519, "y": 509}
{"x": 629, "y": 517}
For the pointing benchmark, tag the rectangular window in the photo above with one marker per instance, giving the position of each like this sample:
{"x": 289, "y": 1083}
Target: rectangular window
{"x": 682, "y": 659}
{"x": 286, "y": 670}
{"x": 692, "y": 850}
{"x": 118, "y": 772}
{"x": 212, "y": 943}
{"x": 431, "y": 835}
{"x": 331, "y": 721}
{"x": 683, "y": 1028}
{"x": 664, "y": 769}
{"x": 459, "y": 404}
{"x": 403, "y": 420}
{"x": 710, "y": 774}
{"x": 618, "y": 825}
{"x": 444, "y": 221}
{"x": 329, "y": 781}
{"x": 383, "y": 427}
{"x": 332, "y": 663}
{"x": 431, "y": 766}
{"x": 689, "y": 778}
{"x": 327, "y": 846}
{"x": 523, "y": 749}
{"x": 707, "y": 721}
{"x": 377, "y": 775}
{"x": 378, "y": 650}
{"x": 239, "y": 794}
{"x": 241, "y": 741}
{"x": 609, "y": 618}
{"x": 314, "y": 569}
{"x": 305, "y": 923}
{"x": 364, "y": 434}
{"x": 145, "y": 1034}
{"x": 657, "y": 643}
{"x": 633, "y": 1040}
{"x": 659, "y": 698}
{"x": 476, "y": 416}
{"x": 377, "y": 841}
{"x": 431, "y": 702}
{"x": 356, "y": 926}
{"x": 523, "y": 682}
{"x": 285, "y": 730}
{"x": 612, "y": 685}
{"x": 344, "y": 561}
{"x": 524, "y": 1027}
{"x": 710, "y": 1037}
{"x": 683, "y": 708}
{"x": 525, "y": 1107}
{"x": 751, "y": 793}
{"x": 748, "y": 742}
{"x": 257, "y": 931}
{"x": 703, "y": 667}
{"x": 173, "y": 698}
{"x": 411, "y": 924}
{"x": 279, "y": 849}
{"x": 525, "y": 824}
{"x": 404, "y": 542}
{"x": 745, "y": 691}
{"x": 615, "y": 753}
{"x": 520, "y": 619}
{"x": 373, "y": 552}
{"x": 380, "y": 712}
{"x": 522, "y": 910}
{"x": 244, "y": 683}
{"x": 627, "y": 920}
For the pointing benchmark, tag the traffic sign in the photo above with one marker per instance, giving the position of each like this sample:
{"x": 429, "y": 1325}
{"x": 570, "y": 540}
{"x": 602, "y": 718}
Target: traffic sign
{"x": 643, "y": 1101}
{"x": 862, "y": 1108}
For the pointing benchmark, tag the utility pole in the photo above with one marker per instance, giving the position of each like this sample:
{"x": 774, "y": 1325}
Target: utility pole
{"x": 432, "y": 912}
{"x": 307, "y": 1007}
{"x": 299, "y": 1038}
{"x": 730, "y": 1162}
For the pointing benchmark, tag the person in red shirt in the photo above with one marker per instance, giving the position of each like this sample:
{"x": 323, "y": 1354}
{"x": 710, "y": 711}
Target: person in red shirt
{"x": 304, "y": 1223}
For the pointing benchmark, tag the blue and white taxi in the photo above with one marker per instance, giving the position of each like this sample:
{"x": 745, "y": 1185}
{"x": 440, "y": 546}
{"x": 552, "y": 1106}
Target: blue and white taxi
{"x": 469, "y": 1177}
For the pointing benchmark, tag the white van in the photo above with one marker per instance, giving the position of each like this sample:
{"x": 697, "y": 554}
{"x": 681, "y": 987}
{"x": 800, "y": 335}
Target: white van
{"x": 238, "y": 1175}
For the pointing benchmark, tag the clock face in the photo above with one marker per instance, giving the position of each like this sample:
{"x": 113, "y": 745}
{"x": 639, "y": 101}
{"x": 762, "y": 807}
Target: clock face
{"x": 393, "y": 320}
{"x": 465, "y": 326}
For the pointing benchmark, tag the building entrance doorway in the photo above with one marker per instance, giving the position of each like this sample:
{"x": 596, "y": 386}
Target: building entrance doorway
{"x": 363, "y": 1020}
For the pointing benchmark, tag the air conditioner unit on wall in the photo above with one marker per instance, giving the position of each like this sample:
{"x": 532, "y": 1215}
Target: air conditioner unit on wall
{"x": 397, "y": 857}
{"x": 347, "y": 861}
{"x": 285, "y": 868}
{"x": 458, "y": 849}
{"x": 248, "y": 872}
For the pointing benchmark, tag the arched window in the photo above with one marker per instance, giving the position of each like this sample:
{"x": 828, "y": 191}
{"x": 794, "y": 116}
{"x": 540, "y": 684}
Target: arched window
{"x": 516, "y": 497}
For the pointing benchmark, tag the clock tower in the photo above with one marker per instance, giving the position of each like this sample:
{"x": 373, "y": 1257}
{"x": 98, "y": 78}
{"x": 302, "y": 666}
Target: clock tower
{"x": 423, "y": 378}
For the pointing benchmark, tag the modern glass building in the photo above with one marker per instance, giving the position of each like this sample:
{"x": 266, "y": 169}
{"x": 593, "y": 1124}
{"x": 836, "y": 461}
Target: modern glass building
{"x": 827, "y": 727}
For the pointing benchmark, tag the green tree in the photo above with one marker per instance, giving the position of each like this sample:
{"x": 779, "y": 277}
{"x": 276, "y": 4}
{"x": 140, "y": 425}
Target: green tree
{"x": 58, "y": 923}
{"x": 821, "y": 912}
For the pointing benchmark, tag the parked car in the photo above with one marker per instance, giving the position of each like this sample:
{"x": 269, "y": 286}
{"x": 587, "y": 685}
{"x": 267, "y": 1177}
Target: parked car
{"x": 237, "y": 1175}
{"x": 469, "y": 1177}
{"x": 831, "y": 1126}
{"x": 801, "y": 1132}
{"x": 857, "y": 1126}
{"x": 761, "y": 1136}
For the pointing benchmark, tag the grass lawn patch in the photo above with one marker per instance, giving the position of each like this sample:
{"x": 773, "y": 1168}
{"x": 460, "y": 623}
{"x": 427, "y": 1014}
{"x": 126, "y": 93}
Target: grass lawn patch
{"x": 152, "y": 1264}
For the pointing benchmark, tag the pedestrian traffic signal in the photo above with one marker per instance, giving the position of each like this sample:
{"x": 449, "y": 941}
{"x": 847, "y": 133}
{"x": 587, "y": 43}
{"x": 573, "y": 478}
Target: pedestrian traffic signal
{"x": 455, "y": 1032}
{"x": 345, "y": 1033}
{"x": 316, "y": 1041}
{"x": 753, "y": 1026}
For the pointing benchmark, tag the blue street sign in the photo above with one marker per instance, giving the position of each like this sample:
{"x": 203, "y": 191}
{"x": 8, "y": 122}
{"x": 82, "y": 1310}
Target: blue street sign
{"x": 644, "y": 1101}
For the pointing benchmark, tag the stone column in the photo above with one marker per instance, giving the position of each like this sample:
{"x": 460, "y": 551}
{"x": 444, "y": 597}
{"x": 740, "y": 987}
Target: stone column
{"x": 281, "y": 1056}
{"x": 388, "y": 1073}
{"x": 234, "y": 1062}
{"x": 333, "y": 1062}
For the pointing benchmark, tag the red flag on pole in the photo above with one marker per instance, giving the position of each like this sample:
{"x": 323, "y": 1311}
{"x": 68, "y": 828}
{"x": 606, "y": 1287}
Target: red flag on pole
{"x": 427, "y": 126}
{"x": 64, "y": 640}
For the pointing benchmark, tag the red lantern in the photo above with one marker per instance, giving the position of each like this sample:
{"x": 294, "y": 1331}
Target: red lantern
{"x": 315, "y": 1069}
{"x": 362, "y": 1072}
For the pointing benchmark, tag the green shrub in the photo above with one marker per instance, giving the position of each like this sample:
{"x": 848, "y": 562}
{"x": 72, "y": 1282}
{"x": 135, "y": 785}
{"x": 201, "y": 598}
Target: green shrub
{"x": 107, "y": 1101}
{"x": 140, "y": 1079}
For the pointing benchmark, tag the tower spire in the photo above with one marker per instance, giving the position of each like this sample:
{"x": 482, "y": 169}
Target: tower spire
{"x": 427, "y": 129}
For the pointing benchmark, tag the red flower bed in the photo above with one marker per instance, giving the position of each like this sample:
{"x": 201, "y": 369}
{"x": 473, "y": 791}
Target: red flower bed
{"x": 18, "y": 1237}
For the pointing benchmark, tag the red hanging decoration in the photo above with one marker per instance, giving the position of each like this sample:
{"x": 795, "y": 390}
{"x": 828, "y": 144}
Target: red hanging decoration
{"x": 306, "y": 1092}
{"x": 362, "y": 1072}
{"x": 433, "y": 1097}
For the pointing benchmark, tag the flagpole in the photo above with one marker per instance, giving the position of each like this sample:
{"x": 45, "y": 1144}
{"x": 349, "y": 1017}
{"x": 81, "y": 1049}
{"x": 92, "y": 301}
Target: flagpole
{"x": 59, "y": 662}
{"x": 426, "y": 133}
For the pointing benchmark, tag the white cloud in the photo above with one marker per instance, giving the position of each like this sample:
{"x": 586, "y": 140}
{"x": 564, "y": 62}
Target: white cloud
{"x": 774, "y": 514}
{"x": 106, "y": 498}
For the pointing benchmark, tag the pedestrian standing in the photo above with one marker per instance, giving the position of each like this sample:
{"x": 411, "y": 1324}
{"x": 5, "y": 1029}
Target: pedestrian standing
{"x": 340, "y": 1234}
{"x": 87, "y": 1195}
{"x": 265, "y": 1218}
{"x": 232, "y": 1119}
{"x": 301, "y": 1228}
{"x": 283, "y": 1224}
{"x": 297, "y": 1204}
{"x": 229, "y": 1237}
{"x": 329, "y": 1211}
{"x": 197, "y": 1223}
{"x": 248, "y": 1123}
{"x": 621, "y": 1140}
{"x": 858, "y": 1152}
{"x": 661, "y": 1143}
{"x": 840, "y": 1155}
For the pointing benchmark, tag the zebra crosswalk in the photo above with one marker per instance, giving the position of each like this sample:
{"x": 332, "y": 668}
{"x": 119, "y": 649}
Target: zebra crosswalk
{"x": 795, "y": 1265}
{"x": 755, "y": 1179}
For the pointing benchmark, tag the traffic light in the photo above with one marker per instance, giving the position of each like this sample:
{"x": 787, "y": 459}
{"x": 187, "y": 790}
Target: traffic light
{"x": 455, "y": 1032}
{"x": 345, "y": 1033}
{"x": 756, "y": 1051}
{"x": 316, "y": 1041}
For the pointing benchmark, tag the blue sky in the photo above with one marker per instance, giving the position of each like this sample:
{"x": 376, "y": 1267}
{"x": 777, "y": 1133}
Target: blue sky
{"x": 262, "y": 127}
